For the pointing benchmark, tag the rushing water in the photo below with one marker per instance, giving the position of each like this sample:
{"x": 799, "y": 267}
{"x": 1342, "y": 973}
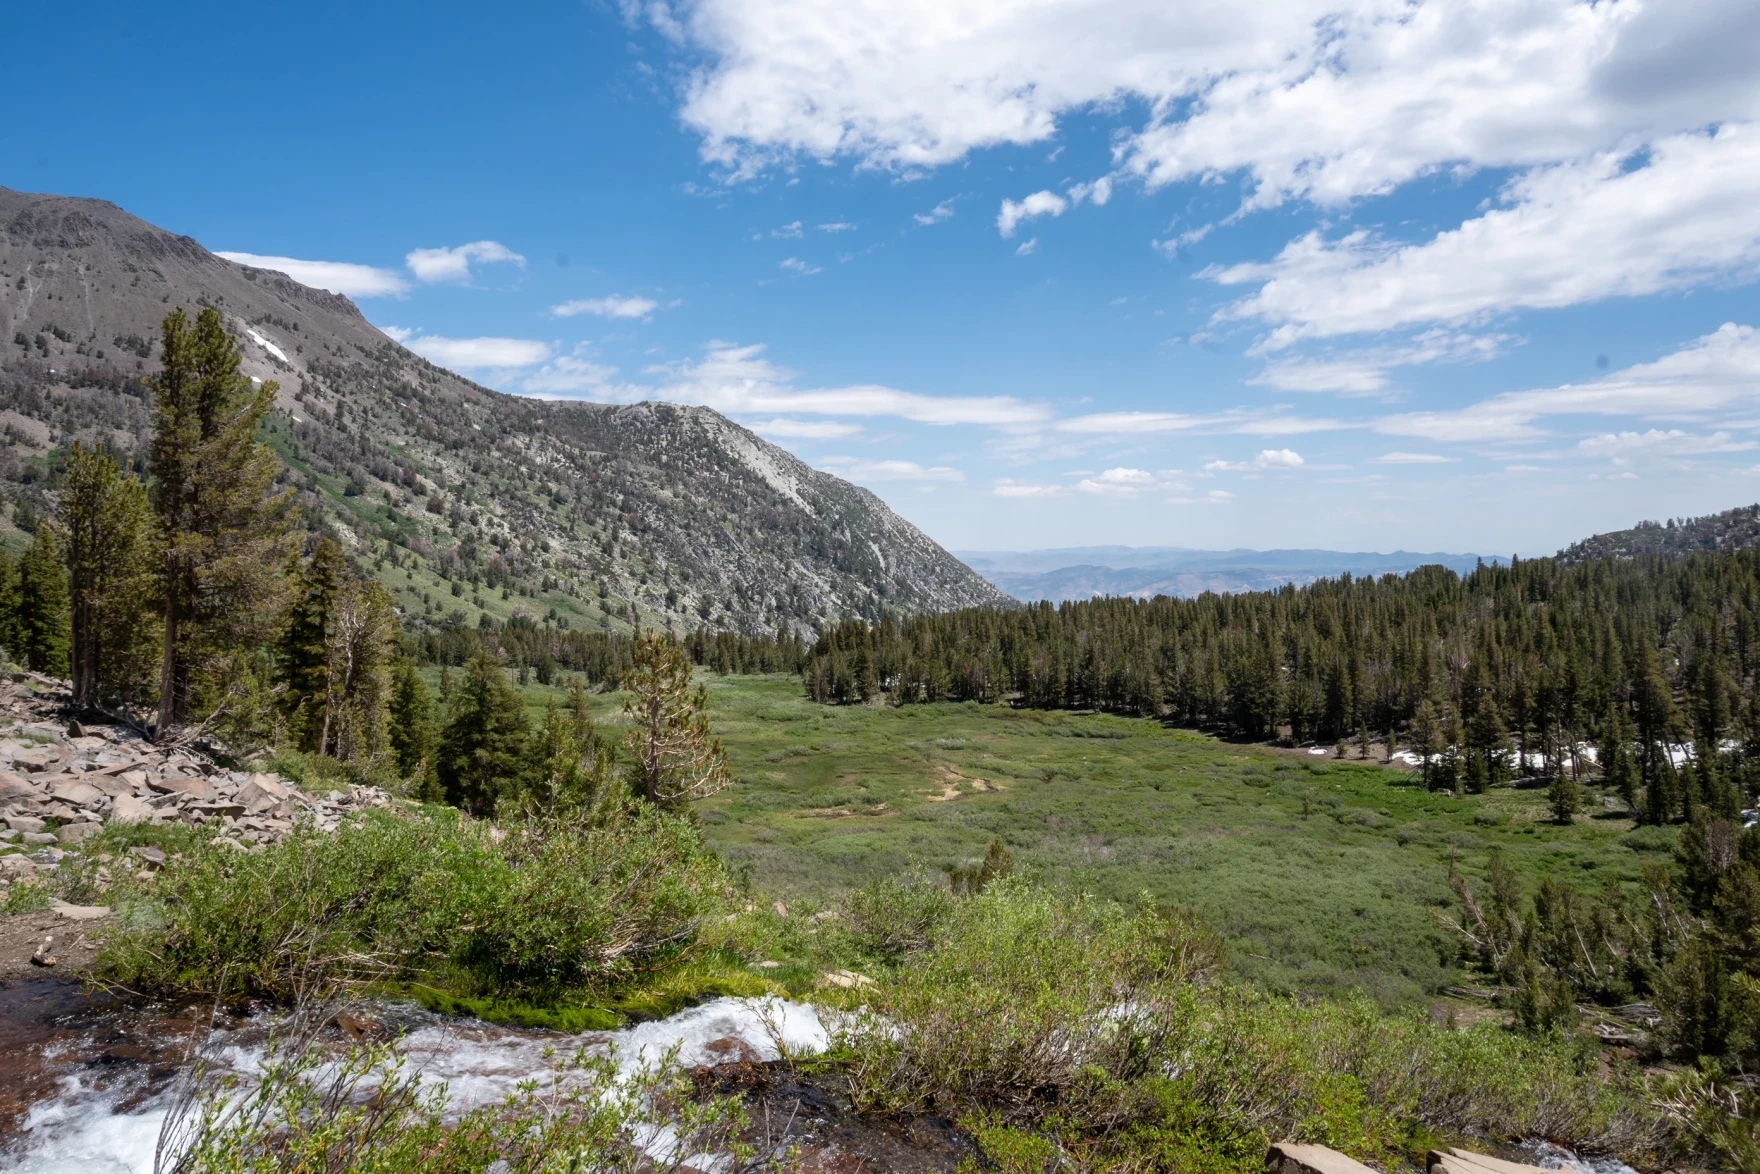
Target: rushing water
{"x": 100, "y": 1077}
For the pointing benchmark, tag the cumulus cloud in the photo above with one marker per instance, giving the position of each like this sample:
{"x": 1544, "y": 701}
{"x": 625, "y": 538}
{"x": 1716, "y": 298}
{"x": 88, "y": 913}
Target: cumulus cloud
{"x": 1278, "y": 458}
{"x": 1323, "y": 99}
{"x": 1714, "y": 373}
{"x": 863, "y": 469}
{"x": 1618, "y": 224}
{"x": 568, "y": 376}
{"x": 1128, "y": 482}
{"x": 454, "y": 264}
{"x": 1027, "y": 247}
{"x": 342, "y": 277}
{"x": 1044, "y": 203}
{"x": 478, "y": 354}
{"x": 799, "y": 267}
{"x": 1623, "y": 447}
{"x": 1600, "y": 109}
{"x": 610, "y": 307}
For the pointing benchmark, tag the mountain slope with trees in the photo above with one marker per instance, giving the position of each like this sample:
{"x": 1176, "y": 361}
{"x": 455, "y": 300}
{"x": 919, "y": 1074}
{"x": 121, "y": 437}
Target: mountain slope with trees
{"x": 1737, "y": 529}
{"x": 463, "y": 501}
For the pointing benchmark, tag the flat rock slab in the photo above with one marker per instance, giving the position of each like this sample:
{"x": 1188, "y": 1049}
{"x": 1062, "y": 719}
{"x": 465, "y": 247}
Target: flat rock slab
{"x": 1455, "y": 1161}
{"x": 79, "y": 912}
{"x": 1288, "y": 1157}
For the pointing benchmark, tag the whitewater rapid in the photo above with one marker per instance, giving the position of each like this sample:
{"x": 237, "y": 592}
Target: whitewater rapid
{"x": 111, "y": 1128}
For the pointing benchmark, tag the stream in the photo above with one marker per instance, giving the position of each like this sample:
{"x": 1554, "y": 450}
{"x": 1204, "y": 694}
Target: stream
{"x": 87, "y": 1082}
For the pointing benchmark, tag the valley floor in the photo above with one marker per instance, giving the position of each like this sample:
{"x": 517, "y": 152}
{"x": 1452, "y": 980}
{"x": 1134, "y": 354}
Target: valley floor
{"x": 1322, "y": 875}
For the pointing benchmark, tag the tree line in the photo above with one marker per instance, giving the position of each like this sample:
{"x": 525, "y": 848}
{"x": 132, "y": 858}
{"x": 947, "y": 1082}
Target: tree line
{"x": 1642, "y": 668}
{"x": 185, "y": 597}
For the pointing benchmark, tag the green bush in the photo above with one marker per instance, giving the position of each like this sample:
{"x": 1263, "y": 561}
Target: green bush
{"x": 543, "y": 908}
{"x": 1048, "y": 1019}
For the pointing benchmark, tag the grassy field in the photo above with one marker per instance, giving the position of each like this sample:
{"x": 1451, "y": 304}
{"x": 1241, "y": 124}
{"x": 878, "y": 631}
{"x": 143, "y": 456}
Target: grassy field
{"x": 1322, "y": 875}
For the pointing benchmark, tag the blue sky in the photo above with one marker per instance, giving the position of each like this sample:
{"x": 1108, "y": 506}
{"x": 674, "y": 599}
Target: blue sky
{"x": 1346, "y": 273}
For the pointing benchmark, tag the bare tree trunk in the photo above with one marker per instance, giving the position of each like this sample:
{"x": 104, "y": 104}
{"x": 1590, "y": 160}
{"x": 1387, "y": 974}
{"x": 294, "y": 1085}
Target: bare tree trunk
{"x": 168, "y": 672}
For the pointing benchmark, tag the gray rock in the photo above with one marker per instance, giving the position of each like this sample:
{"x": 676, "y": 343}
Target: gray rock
{"x": 76, "y": 792}
{"x": 75, "y": 833}
{"x": 128, "y": 809}
{"x": 24, "y": 823}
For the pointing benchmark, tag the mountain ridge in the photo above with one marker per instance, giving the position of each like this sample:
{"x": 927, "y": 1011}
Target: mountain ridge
{"x": 467, "y": 502}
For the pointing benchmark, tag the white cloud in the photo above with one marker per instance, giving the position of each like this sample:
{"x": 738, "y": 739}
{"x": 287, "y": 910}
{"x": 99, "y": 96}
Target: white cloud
{"x": 614, "y": 306}
{"x": 397, "y": 333}
{"x": 1412, "y": 458}
{"x": 1712, "y": 374}
{"x": 1007, "y": 487}
{"x": 1366, "y": 371}
{"x": 738, "y": 381}
{"x": 837, "y": 226}
{"x": 1620, "y": 224}
{"x": 862, "y": 469}
{"x": 1622, "y": 447}
{"x": 342, "y": 277}
{"x": 1278, "y": 458}
{"x": 478, "y": 354}
{"x": 568, "y": 375}
{"x": 454, "y": 264}
{"x": 1038, "y": 204}
{"x": 805, "y": 429}
{"x": 1322, "y": 99}
{"x": 935, "y": 215}
{"x": 1218, "y": 496}
{"x": 1099, "y": 191}
{"x": 1128, "y": 482}
{"x": 799, "y": 267}
{"x": 1027, "y": 247}
{"x": 1243, "y": 423}
{"x": 789, "y": 231}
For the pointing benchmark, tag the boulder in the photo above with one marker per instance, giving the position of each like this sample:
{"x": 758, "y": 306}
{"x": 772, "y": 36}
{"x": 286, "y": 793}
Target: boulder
{"x": 37, "y": 759}
{"x": 23, "y": 823}
{"x": 16, "y": 787}
{"x": 254, "y": 797}
{"x": 1288, "y": 1157}
{"x": 75, "y": 833}
{"x": 152, "y": 857}
{"x": 1455, "y": 1161}
{"x": 79, "y": 912}
{"x": 110, "y": 785}
{"x": 195, "y": 788}
{"x": 77, "y": 793}
{"x": 17, "y": 866}
{"x": 128, "y": 809}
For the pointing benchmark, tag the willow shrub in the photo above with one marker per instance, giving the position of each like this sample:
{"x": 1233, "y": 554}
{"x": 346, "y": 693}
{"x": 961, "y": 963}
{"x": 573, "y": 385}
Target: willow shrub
{"x": 532, "y": 912}
{"x": 1040, "y": 1018}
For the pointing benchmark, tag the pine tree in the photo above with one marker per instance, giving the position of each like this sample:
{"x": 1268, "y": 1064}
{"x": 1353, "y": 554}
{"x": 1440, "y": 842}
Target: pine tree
{"x": 110, "y": 560}
{"x": 303, "y": 650}
{"x": 674, "y": 757}
{"x": 224, "y": 531}
{"x": 412, "y": 728}
{"x": 1563, "y": 796}
{"x": 41, "y": 608}
{"x": 483, "y": 747}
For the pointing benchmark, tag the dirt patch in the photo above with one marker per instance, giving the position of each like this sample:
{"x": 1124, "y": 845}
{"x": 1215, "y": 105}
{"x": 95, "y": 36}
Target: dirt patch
{"x": 952, "y": 781}
{"x": 73, "y": 945}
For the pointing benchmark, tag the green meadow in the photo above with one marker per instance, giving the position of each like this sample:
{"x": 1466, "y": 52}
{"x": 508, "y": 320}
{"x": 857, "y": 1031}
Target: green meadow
{"x": 1322, "y": 875}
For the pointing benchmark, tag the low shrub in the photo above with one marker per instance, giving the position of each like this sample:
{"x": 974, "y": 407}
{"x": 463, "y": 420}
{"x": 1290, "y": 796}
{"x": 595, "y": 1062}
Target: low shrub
{"x": 1048, "y": 1019}
{"x": 532, "y": 912}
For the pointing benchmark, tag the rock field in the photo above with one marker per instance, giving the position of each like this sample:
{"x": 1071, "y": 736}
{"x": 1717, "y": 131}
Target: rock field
{"x": 60, "y": 780}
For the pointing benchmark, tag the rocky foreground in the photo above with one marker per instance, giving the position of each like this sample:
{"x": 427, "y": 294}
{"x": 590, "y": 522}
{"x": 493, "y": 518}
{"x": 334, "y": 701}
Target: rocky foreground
{"x": 61, "y": 779}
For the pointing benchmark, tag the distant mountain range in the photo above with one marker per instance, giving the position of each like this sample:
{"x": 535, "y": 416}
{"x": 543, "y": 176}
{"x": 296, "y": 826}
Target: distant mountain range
{"x": 464, "y": 501}
{"x": 1082, "y": 572}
